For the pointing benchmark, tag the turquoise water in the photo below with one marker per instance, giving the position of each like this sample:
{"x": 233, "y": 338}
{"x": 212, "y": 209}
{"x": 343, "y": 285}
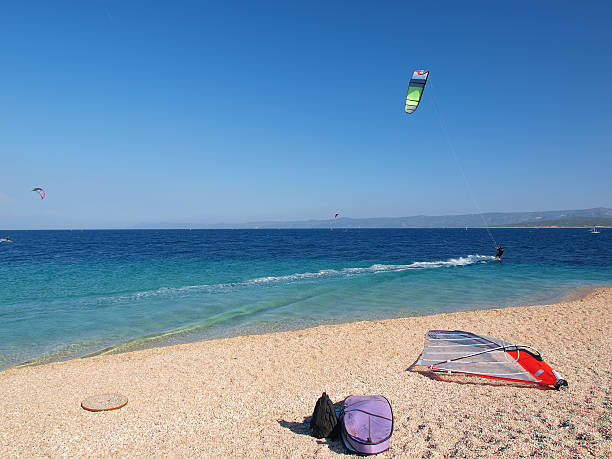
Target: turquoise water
{"x": 68, "y": 294}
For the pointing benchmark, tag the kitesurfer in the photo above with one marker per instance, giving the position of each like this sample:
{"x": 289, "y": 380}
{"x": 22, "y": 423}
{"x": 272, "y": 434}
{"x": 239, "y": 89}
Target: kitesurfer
{"x": 500, "y": 252}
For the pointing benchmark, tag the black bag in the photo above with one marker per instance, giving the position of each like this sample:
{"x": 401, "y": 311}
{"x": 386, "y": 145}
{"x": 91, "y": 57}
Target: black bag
{"x": 324, "y": 423}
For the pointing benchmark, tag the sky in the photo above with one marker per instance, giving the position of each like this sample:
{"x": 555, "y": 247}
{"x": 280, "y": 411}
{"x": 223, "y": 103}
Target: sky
{"x": 138, "y": 112}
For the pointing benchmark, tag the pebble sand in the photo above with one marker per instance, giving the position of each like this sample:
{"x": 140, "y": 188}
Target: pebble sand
{"x": 252, "y": 396}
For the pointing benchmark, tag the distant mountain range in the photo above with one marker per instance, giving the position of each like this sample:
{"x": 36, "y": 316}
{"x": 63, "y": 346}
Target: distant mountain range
{"x": 571, "y": 222}
{"x": 600, "y": 216}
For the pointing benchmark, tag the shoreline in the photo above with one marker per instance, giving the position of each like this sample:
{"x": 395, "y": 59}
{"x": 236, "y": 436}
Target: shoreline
{"x": 146, "y": 342}
{"x": 252, "y": 395}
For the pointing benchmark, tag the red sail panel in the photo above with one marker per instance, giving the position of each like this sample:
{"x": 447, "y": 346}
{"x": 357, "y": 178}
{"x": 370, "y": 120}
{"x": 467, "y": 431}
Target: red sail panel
{"x": 539, "y": 369}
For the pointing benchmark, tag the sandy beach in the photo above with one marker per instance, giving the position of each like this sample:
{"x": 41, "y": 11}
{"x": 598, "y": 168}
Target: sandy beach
{"x": 252, "y": 396}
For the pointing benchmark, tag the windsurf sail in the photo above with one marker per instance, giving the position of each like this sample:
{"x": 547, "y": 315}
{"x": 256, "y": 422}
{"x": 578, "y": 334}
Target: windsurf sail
{"x": 457, "y": 351}
{"x": 415, "y": 89}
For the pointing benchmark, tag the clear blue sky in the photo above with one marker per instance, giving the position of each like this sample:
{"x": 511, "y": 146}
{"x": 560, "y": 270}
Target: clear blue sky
{"x": 131, "y": 112}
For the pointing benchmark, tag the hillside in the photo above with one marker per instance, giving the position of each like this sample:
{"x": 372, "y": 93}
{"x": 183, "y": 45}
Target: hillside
{"x": 598, "y": 215}
{"x": 565, "y": 223}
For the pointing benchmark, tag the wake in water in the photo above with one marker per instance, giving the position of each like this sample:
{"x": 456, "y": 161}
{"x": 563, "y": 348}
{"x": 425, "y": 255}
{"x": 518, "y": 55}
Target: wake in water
{"x": 237, "y": 313}
{"x": 377, "y": 268}
{"x": 345, "y": 272}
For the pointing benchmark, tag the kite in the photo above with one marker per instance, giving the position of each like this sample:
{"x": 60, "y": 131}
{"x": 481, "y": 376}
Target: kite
{"x": 456, "y": 351}
{"x": 40, "y": 191}
{"x": 336, "y": 215}
{"x": 415, "y": 89}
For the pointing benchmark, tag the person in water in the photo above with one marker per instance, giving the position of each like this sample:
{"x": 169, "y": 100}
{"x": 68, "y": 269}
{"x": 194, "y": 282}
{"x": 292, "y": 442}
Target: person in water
{"x": 500, "y": 252}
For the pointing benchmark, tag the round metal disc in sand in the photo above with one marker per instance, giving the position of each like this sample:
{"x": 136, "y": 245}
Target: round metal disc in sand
{"x": 104, "y": 402}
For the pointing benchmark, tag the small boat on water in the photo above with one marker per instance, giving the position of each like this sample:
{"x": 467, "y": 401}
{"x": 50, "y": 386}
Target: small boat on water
{"x": 594, "y": 230}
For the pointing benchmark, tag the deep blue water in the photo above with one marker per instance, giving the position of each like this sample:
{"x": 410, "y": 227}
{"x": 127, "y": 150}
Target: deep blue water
{"x": 66, "y": 294}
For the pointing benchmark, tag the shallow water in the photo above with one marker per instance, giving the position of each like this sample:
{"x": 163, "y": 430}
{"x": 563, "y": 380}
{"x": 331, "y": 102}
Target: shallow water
{"x": 65, "y": 294}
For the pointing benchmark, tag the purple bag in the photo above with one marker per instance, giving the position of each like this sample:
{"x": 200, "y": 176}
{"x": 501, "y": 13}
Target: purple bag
{"x": 367, "y": 423}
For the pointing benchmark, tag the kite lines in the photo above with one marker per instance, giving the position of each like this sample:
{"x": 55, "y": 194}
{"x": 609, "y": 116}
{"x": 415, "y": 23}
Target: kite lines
{"x": 415, "y": 91}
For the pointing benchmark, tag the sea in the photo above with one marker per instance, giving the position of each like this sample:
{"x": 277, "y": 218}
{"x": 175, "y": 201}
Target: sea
{"x": 71, "y": 294}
